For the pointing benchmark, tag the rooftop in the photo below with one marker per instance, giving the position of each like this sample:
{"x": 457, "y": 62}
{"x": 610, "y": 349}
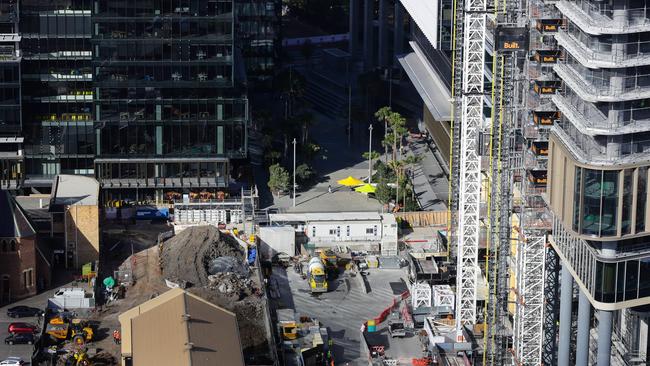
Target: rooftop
{"x": 13, "y": 223}
{"x": 180, "y": 328}
{"x": 327, "y": 216}
{"x": 69, "y": 190}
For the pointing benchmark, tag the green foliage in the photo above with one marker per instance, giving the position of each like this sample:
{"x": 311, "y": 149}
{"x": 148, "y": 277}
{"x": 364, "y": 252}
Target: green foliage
{"x": 278, "y": 178}
{"x": 383, "y": 193}
{"x": 374, "y": 155}
{"x": 310, "y": 150}
{"x": 383, "y": 113}
{"x": 304, "y": 173}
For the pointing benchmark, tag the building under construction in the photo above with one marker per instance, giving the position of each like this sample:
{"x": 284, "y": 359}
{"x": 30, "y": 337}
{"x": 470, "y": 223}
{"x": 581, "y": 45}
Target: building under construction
{"x": 549, "y": 158}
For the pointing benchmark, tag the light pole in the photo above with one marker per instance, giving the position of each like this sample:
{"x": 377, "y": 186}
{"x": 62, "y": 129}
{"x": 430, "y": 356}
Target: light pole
{"x": 294, "y": 172}
{"x": 370, "y": 156}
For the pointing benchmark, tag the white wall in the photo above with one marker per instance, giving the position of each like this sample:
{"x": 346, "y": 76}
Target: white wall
{"x": 344, "y": 231}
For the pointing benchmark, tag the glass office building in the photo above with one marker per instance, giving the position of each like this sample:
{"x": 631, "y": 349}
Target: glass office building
{"x": 169, "y": 108}
{"x": 57, "y": 89}
{"x": 11, "y": 153}
{"x": 258, "y": 31}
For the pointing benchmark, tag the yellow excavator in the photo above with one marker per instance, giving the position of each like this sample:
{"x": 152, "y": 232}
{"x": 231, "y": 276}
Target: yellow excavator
{"x": 76, "y": 330}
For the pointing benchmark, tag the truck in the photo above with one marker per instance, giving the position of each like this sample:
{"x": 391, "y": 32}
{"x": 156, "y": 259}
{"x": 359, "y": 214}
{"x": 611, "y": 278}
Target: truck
{"x": 317, "y": 276}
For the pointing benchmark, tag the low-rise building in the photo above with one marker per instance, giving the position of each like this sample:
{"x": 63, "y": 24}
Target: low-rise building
{"x": 18, "y": 252}
{"x": 75, "y": 212}
{"x": 354, "y": 230}
{"x": 179, "y": 328}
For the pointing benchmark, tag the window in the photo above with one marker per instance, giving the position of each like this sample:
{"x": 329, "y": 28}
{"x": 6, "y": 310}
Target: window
{"x": 599, "y": 202}
{"x": 28, "y": 278}
{"x": 13, "y": 245}
{"x": 4, "y": 246}
{"x": 332, "y": 231}
{"x": 347, "y": 230}
{"x": 313, "y": 231}
{"x": 628, "y": 175}
{"x": 641, "y": 195}
{"x": 369, "y": 230}
{"x": 338, "y": 231}
{"x": 374, "y": 230}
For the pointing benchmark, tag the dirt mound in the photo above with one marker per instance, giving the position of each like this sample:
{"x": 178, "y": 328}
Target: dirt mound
{"x": 213, "y": 266}
{"x": 187, "y": 256}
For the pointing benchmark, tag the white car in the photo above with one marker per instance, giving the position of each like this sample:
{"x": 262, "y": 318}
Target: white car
{"x": 12, "y": 361}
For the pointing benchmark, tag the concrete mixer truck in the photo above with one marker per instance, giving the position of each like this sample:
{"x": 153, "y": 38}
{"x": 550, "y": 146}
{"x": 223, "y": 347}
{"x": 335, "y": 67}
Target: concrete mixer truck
{"x": 317, "y": 276}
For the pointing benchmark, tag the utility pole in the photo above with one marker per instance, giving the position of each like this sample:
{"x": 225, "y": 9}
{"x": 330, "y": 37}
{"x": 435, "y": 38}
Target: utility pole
{"x": 294, "y": 172}
{"x": 370, "y": 156}
{"x": 349, "y": 114}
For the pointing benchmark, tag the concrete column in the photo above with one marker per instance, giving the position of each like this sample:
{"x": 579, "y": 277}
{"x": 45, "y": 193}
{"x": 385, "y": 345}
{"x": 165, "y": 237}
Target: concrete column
{"x": 566, "y": 297}
{"x": 368, "y": 30}
{"x": 643, "y": 334}
{"x": 353, "y": 44}
{"x": 382, "y": 51}
{"x": 582, "y": 341}
{"x": 398, "y": 34}
{"x": 604, "y": 337}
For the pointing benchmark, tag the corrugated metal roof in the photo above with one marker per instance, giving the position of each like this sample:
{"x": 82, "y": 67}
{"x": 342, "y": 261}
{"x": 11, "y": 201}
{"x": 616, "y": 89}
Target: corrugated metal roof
{"x": 180, "y": 328}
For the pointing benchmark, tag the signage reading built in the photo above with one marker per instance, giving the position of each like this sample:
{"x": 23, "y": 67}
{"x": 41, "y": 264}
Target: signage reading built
{"x": 511, "y": 39}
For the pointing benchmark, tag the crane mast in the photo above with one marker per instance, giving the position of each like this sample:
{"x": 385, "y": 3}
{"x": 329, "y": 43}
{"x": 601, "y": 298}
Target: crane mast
{"x": 469, "y": 190}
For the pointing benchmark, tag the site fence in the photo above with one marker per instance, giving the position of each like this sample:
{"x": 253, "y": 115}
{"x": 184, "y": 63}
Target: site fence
{"x": 424, "y": 218}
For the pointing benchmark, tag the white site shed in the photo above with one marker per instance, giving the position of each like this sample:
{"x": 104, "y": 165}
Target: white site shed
{"x": 276, "y": 239}
{"x": 350, "y": 229}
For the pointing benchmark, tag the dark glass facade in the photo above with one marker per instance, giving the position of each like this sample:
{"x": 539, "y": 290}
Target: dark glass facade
{"x": 11, "y": 151}
{"x": 57, "y": 88}
{"x": 169, "y": 107}
{"x": 258, "y": 30}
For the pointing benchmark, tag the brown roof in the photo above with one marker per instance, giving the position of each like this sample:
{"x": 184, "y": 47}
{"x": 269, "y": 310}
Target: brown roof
{"x": 179, "y": 328}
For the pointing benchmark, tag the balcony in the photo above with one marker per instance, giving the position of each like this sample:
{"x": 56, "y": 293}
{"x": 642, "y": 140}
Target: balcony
{"x": 633, "y": 87}
{"x": 591, "y": 121}
{"x": 618, "y": 55}
{"x": 586, "y": 150}
{"x": 184, "y": 182}
{"x": 599, "y": 19}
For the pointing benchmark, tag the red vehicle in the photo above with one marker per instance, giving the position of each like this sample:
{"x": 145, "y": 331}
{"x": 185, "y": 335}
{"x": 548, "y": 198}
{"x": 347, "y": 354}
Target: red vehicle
{"x": 15, "y": 328}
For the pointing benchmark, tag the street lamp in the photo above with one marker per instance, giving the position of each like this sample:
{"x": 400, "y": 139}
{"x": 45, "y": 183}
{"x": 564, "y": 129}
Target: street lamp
{"x": 294, "y": 172}
{"x": 370, "y": 156}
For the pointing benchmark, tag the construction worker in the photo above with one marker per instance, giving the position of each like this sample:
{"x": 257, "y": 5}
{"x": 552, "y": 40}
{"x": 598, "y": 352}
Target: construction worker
{"x": 116, "y": 336}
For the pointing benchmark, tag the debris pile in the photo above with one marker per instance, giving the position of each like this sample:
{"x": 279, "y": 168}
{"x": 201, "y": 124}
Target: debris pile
{"x": 213, "y": 265}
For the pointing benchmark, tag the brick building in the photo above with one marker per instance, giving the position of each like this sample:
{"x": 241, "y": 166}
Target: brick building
{"x": 18, "y": 252}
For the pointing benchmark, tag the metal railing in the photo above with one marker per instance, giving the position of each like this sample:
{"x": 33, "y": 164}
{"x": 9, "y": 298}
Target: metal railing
{"x": 606, "y": 51}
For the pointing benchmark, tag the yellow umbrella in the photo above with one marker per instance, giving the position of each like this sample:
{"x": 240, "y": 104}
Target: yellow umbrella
{"x": 350, "y": 182}
{"x": 366, "y": 188}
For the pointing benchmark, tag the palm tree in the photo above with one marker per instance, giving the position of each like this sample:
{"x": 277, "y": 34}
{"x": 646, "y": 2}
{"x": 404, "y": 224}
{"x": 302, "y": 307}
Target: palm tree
{"x": 397, "y": 123}
{"x": 397, "y": 166}
{"x": 382, "y": 115}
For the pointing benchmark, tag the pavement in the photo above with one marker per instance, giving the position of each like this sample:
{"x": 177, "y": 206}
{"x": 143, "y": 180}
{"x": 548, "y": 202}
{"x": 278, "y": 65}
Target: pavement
{"x": 23, "y": 351}
{"x": 336, "y": 161}
{"x": 344, "y": 309}
{"x": 430, "y": 183}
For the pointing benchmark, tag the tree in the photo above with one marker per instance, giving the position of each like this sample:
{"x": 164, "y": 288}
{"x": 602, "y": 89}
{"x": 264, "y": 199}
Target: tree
{"x": 304, "y": 173}
{"x": 398, "y": 130}
{"x": 383, "y": 192}
{"x": 278, "y": 179}
{"x": 382, "y": 115}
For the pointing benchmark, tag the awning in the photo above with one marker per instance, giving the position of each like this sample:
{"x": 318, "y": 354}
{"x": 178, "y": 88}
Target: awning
{"x": 429, "y": 85}
{"x": 425, "y": 14}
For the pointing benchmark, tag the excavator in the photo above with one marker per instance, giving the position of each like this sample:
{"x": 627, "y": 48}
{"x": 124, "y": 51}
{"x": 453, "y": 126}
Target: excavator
{"x": 76, "y": 330}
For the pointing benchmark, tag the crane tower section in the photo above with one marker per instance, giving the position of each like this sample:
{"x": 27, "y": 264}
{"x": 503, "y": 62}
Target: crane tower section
{"x": 470, "y": 170}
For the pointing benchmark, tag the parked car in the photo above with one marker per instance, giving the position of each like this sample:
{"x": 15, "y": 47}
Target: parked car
{"x": 20, "y": 338}
{"x": 12, "y": 361}
{"x": 21, "y": 328}
{"x": 23, "y": 311}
